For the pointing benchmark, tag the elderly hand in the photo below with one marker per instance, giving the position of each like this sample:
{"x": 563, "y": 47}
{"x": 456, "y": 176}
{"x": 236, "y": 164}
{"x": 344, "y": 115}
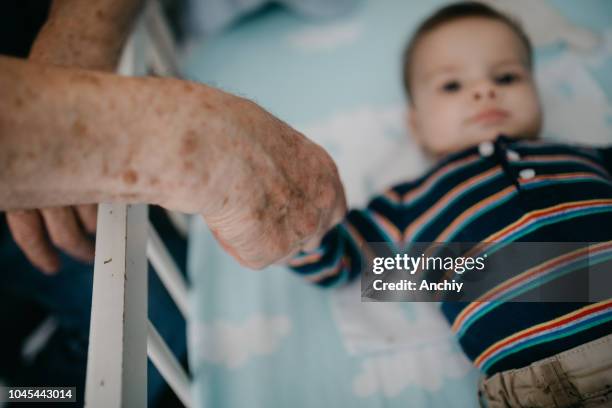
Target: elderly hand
{"x": 269, "y": 190}
{"x": 76, "y": 35}
{"x": 35, "y": 231}
{"x": 263, "y": 188}
{"x": 282, "y": 197}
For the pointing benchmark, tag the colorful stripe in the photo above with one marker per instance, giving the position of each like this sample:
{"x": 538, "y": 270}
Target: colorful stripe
{"x": 492, "y": 202}
{"x": 563, "y": 326}
{"x": 427, "y": 217}
{"x": 394, "y": 198}
{"x": 560, "y": 159}
{"x": 306, "y": 258}
{"x": 538, "y": 275}
{"x": 538, "y": 218}
{"x": 467, "y": 190}
{"x": 547, "y": 179}
{"x": 336, "y": 269}
{"x": 476, "y": 211}
{"x": 385, "y": 226}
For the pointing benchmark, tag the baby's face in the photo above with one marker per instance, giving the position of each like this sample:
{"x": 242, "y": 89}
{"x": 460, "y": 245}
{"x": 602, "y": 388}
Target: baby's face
{"x": 470, "y": 82}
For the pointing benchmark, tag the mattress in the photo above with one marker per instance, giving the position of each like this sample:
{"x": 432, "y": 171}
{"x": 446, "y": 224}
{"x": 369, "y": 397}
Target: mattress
{"x": 269, "y": 339}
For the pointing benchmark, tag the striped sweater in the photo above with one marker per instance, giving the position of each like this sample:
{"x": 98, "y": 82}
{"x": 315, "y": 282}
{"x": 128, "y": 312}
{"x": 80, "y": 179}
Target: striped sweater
{"x": 499, "y": 192}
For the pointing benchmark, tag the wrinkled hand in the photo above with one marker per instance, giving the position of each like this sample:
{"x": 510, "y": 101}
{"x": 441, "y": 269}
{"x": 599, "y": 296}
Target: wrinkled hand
{"x": 37, "y": 231}
{"x": 284, "y": 197}
{"x": 271, "y": 191}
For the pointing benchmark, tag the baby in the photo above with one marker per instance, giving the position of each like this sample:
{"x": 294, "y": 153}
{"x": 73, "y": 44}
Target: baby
{"x": 474, "y": 105}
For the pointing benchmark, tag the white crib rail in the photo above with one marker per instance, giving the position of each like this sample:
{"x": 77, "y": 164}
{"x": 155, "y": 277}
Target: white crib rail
{"x": 121, "y": 335}
{"x": 167, "y": 271}
{"x": 117, "y": 356}
{"x": 168, "y": 366}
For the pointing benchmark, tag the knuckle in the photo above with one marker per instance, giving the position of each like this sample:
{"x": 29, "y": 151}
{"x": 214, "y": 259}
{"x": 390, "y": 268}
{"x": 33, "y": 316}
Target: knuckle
{"x": 279, "y": 248}
{"x": 308, "y": 225}
{"x": 327, "y": 197}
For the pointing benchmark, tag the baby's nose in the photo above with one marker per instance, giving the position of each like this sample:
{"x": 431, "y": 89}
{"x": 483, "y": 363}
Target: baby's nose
{"x": 484, "y": 91}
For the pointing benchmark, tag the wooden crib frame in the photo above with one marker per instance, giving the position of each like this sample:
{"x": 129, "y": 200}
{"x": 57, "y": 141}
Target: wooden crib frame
{"x": 121, "y": 336}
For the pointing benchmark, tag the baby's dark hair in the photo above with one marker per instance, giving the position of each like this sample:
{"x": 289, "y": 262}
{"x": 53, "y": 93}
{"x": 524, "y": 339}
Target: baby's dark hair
{"x": 454, "y": 12}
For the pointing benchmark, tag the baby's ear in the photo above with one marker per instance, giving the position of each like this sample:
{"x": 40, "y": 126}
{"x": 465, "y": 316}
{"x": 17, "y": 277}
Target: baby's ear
{"x": 412, "y": 124}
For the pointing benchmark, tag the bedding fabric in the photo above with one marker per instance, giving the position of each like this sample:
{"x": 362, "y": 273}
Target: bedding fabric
{"x": 269, "y": 339}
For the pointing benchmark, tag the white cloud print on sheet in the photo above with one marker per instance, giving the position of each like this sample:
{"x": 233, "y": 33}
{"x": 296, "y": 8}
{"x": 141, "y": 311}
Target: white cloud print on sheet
{"x": 233, "y": 344}
{"x": 400, "y": 345}
{"x": 426, "y": 368}
{"x": 327, "y": 36}
{"x": 576, "y": 109}
{"x": 371, "y": 147}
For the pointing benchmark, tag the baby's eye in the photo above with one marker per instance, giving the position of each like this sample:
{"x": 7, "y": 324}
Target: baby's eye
{"x": 507, "y": 78}
{"x": 451, "y": 86}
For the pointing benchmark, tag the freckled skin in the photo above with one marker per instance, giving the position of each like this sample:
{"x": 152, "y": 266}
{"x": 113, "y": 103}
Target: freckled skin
{"x": 190, "y": 143}
{"x": 79, "y": 128}
{"x": 88, "y": 78}
{"x": 209, "y": 106}
{"x": 248, "y": 174}
{"x": 188, "y": 165}
{"x": 130, "y": 176}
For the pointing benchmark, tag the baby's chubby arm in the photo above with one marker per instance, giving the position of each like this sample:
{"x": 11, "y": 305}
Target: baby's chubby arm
{"x": 70, "y": 136}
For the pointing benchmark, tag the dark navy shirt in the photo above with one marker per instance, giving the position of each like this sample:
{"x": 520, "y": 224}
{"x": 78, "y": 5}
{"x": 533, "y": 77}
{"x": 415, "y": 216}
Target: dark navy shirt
{"x": 501, "y": 191}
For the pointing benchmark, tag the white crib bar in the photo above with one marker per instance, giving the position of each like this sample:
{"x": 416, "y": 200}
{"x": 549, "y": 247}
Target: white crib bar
{"x": 117, "y": 358}
{"x": 119, "y": 329}
{"x": 163, "y": 52}
{"x": 167, "y": 271}
{"x": 168, "y": 366}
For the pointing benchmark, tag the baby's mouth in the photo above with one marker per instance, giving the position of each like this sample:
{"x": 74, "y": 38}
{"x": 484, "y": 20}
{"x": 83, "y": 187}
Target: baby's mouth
{"x": 489, "y": 116}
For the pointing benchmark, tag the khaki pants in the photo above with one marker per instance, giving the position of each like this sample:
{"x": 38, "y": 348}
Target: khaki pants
{"x": 579, "y": 377}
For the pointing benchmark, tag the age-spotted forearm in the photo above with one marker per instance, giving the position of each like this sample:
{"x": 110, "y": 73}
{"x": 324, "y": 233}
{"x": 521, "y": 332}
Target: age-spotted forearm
{"x": 73, "y": 136}
{"x": 84, "y": 33}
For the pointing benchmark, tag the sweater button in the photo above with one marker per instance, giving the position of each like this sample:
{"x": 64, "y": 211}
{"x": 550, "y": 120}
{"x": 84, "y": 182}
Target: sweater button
{"x": 527, "y": 174}
{"x": 486, "y": 149}
{"x": 512, "y": 156}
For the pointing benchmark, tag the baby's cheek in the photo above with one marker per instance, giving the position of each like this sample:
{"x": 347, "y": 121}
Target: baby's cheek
{"x": 527, "y": 103}
{"x": 530, "y": 116}
{"x": 440, "y": 125}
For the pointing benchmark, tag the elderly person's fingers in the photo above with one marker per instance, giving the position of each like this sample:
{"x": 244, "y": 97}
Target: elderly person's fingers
{"x": 28, "y": 230}
{"x": 66, "y": 233}
{"x": 334, "y": 210}
{"x": 88, "y": 215}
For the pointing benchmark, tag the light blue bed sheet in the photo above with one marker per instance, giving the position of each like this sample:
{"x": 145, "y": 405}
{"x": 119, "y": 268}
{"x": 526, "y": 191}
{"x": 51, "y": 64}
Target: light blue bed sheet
{"x": 268, "y": 339}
